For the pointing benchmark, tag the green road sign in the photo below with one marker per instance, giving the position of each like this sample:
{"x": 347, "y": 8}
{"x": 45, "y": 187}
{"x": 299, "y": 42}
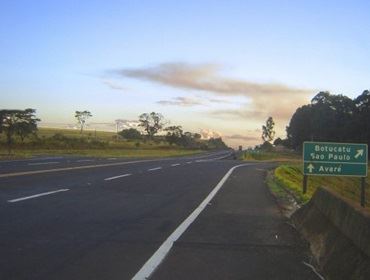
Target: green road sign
{"x": 335, "y": 159}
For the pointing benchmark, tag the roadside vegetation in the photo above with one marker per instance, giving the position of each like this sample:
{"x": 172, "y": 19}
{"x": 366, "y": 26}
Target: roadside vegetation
{"x": 285, "y": 181}
{"x": 280, "y": 157}
{"x": 328, "y": 118}
{"x": 290, "y": 178}
{"x": 20, "y": 137}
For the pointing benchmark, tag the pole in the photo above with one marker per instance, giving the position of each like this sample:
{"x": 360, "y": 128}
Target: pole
{"x": 363, "y": 191}
{"x": 304, "y": 184}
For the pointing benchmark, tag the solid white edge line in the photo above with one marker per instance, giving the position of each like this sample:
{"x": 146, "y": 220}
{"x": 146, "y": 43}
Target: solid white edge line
{"x": 36, "y": 195}
{"x": 155, "y": 168}
{"x": 116, "y": 177}
{"x": 314, "y": 270}
{"x": 155, "y": 260}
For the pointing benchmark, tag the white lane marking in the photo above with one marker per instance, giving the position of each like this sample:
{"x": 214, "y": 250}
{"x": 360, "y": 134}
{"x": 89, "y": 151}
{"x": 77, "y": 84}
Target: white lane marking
{"x": 116, "y": 177}
{"x": 84, "y": 160}
{"x": 188, "y": 162}
{"x": 43, "y": 163}
{"x": 212, "y": 159}
{"x": 175, "y": 164}
{"x": 155, "y": 168}
{"x": 155, "y": 260}
{"x": 78, "y": 167}
{"x": 209, "y": 155}
{"x": 36, "y": 195}
{"x": 314, "y": 270}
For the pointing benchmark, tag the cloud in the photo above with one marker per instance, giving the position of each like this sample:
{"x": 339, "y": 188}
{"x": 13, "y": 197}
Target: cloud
{"x": 241, "y": 137}
{"x": 124, "y": 124}
{"x": 266, "y": 99}
{"x": 216, "y": 100}
{"x": 191, "y": 101}
{"x": 208, "y": 133}
{"x": 181, "y": 101}
{"x": 113, "y": 85}
{"x": 204, "y": 77}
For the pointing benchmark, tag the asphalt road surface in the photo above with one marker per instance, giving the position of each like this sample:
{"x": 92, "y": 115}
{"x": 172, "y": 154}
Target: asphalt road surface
{"x": 194, "y": 217}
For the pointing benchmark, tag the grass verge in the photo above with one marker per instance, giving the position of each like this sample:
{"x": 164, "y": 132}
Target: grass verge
{"x": 124, "y": 153}
{"x": 289, "y": 177}
{"x": 52, "y": 141}
{"x": 271, "y": 156}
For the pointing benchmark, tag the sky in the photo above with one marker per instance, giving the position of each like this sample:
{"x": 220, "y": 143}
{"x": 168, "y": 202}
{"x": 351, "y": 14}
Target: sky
{"x": 219, "y": 68}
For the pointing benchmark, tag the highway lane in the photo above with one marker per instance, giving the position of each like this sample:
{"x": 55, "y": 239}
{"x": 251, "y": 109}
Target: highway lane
{"x": 48, "y": 163}
{"x": 116, "y": 223}
{"x": 96, "y": 223}
{"x": 13, "y": 187}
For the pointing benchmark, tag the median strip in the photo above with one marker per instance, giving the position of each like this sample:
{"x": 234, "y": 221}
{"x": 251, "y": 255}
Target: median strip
{"x": 116, "y": 177}
{"x": 36, "y": 195}
{"x": 84, "y": 160}
{"x": 43, "y": 163}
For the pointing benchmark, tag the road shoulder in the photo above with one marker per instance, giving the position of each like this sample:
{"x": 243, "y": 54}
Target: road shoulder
{"x": 240, "y": 235}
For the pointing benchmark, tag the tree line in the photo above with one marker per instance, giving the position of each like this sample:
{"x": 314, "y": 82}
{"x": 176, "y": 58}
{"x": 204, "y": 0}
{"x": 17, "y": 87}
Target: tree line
{"x": 153, "y": 123}
{"x": 23, "y": 123}
{"x": 331, "y": 118}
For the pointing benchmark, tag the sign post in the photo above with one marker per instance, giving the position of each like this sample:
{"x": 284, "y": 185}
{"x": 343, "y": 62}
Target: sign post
{"x": 335, "y": 159}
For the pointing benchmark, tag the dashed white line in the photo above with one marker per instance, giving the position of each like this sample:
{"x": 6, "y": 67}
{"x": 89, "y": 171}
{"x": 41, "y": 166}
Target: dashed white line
{"x": 155, "y": 168}
{"x": 36, "y": 195}
{"x": 175, "y": 164}
{"x": 43, "y": 163}
{"x": 116, "y": 177}
{"x": 188, "y": 162}
{"x": 155, "y": 260}
{"x": 212, "y": 159}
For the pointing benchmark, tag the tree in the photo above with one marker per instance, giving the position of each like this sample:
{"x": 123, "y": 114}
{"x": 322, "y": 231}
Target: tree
{"x": 19, "y": 122}
{"x": 278, "y": 141}
{"x": 27, "y": 125}
{"x": 362, "y": 123}
{"x": 328, "y": 118}
{"x": 216, "y": 143}
{"x": 152, "y": 123}
{"x": 174, "y": 134}
{"x": 268, "y": 132}
{"x": 82, "y": 117}
{"x": 118, "y": 123}
{"x": 130, "y": 133}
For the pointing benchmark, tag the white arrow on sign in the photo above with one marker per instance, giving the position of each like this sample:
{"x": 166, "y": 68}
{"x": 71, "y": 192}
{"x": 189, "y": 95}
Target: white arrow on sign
{"x": 310, "y": 167}
{"x": 360, "y": 153}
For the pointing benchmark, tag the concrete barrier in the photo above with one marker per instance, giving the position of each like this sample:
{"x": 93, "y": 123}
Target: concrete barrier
{"x": 338, "y": 231}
